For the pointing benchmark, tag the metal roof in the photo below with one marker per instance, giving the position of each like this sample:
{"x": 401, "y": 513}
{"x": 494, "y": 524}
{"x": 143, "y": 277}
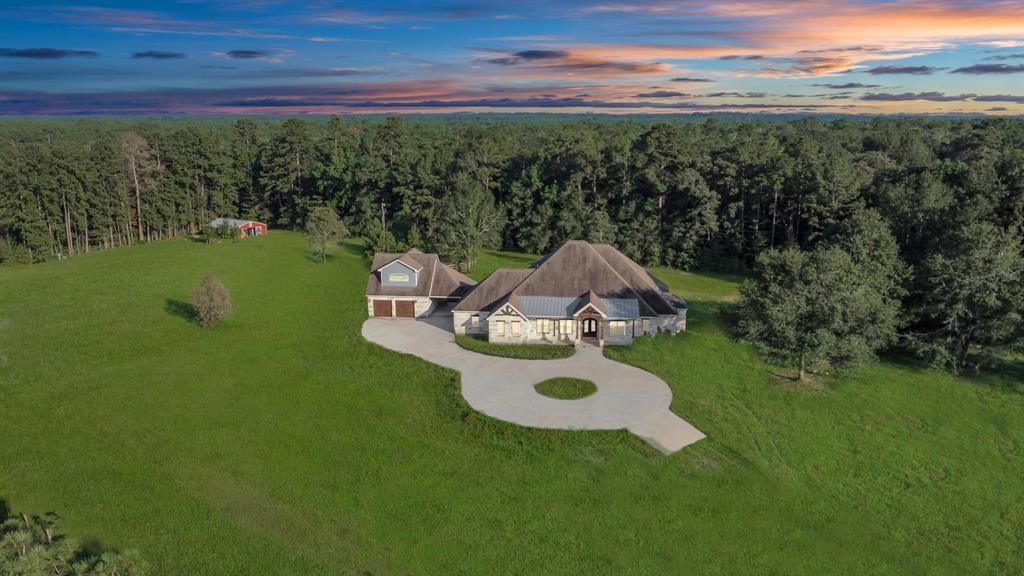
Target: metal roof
{"x": 560, "y": 306}
{"x": 622, "y": 307}
{"x": 217, "y": 223}
{"x": 565, "y": 307}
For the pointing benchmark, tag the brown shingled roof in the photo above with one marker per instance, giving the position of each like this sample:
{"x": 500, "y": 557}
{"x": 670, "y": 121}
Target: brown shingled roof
{"x": 643, "y": 282}
{"x": 493, "y": 290}
{"x": 576, "y": 269}
{"x": 436, "y": 279}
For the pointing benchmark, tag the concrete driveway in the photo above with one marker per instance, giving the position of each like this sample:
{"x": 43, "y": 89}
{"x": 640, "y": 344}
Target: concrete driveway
{"x": 503, "y": 388}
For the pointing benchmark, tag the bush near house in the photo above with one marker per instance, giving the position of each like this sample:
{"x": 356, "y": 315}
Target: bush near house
{"x": 520, "y": 351}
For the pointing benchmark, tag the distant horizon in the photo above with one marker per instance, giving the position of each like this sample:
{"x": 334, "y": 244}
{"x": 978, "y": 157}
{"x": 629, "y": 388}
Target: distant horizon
{"x": 275, "y": 58}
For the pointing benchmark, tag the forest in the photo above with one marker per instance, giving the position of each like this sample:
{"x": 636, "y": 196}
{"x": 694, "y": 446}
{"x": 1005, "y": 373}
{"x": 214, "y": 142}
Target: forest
{"x": 704, "y": 193}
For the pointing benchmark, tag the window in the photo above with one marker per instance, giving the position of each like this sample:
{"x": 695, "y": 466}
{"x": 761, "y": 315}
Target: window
{"x": 500, "y": 330}
{"x": 474, "y": 321}
{"x": 544, "y": 325}
{"x": 515, "y": 329}
{"x": 617, "y": 328}
{"x": 646, "y": 325}
{"x": 398, "y": 277}
{"x": 567, "y": 329}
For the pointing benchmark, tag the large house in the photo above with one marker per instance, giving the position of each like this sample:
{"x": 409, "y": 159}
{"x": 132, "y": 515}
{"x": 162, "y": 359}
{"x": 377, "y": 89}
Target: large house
{"x": 580, "y": 292}
{"x": 412, "y": 285}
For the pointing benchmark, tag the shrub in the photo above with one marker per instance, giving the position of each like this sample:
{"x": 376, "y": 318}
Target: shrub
{"x": 227, "y": 232}
{"x": 32, "y": 546}
{"x": 211, "y": 301}
{"x": 13, "y": 253}
{"x": 519, "y": 351}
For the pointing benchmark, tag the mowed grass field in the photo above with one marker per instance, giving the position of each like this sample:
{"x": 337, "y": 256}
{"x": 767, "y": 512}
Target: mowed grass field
{"x": 280, "y": 442}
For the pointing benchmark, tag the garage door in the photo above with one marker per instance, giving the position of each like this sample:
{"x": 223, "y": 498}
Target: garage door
{"x": 405, "y": 308}
{"x": 382, "y": 308}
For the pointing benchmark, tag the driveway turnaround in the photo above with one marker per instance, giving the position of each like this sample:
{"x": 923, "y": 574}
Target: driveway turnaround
{"x": 503, "y": 388}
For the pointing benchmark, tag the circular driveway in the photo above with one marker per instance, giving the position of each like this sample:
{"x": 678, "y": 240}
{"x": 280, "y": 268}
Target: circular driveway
{"x": 503, "y": 388}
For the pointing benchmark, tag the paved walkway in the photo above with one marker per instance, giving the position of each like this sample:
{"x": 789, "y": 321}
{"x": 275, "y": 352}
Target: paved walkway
{"x": 503, "y": 388}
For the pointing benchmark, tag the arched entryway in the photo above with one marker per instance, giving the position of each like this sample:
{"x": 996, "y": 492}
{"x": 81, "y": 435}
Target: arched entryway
{"x": 590, "y": 329}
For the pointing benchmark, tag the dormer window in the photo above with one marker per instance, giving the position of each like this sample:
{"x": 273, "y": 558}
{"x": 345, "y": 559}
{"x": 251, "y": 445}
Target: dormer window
{"x": 399, "y": 274}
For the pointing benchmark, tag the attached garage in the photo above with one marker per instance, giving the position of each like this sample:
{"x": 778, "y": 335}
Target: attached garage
{"x": 405, "y": 308}
{"x": 382, "y": 308}
{"x": 412, "y": 285}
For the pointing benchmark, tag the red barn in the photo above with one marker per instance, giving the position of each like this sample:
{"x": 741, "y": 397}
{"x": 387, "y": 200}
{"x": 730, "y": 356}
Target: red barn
{"x": 244, "y": 227}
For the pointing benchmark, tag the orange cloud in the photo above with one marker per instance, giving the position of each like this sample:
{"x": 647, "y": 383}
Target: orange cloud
{"x": 820, "y": 38}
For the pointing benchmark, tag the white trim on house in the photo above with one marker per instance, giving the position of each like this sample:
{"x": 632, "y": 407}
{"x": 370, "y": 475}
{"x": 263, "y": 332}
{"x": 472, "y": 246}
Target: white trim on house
{"x": 501, "y": 310}
{"x": 592, "y": 307}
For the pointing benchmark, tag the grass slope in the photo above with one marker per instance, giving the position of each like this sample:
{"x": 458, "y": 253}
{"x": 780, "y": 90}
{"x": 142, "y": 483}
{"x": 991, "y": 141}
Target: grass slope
{"x": 280, "y": 442}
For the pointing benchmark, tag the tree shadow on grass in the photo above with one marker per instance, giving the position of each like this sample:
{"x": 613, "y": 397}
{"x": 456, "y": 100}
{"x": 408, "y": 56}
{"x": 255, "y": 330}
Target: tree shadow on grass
{"x": 998, "y": 373}
{"x": 1003, "y": 374}
{"x": 181, "y": 309}
{"x": 354, "y": 248}
{"x": 315, "y": 257}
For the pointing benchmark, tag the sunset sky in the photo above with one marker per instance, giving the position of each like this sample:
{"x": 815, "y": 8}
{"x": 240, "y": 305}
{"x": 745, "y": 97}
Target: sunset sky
{"x": 269, "y": 56}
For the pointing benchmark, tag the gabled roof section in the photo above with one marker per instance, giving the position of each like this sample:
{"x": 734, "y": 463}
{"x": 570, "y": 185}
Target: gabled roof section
{"x": 486, "y": 296}
{"x": 591, "y": 301}
{"x": 408, "y": 258}
{"x": 435, "y": 279}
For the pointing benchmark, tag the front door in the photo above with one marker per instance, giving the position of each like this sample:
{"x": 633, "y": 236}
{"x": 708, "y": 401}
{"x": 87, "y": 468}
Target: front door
{"x": 589, "y": 329}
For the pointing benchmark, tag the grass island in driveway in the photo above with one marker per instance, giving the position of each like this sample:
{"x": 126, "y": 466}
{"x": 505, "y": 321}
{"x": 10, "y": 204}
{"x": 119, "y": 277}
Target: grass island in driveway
{"x": 281, "y": 442}
{"x": 566, "y": 388}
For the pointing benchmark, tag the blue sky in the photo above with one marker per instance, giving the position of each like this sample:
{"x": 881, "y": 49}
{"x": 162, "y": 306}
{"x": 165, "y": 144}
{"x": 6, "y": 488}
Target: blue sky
{"x": 269, "y": 56}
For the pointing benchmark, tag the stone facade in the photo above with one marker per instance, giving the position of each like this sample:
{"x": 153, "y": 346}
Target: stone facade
{"x": 463, "y": 323}
{"x": 507, "y": 327}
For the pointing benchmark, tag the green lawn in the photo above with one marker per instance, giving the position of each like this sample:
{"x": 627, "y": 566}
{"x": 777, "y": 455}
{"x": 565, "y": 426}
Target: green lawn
{"x": 566, "y": 388}
{"x": 281, "y": 443}
{"x": 520, "y": 351}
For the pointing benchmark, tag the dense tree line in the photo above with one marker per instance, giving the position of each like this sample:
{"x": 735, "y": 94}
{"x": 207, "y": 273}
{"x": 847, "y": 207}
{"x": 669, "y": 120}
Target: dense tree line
{"x": 707, "y": 192}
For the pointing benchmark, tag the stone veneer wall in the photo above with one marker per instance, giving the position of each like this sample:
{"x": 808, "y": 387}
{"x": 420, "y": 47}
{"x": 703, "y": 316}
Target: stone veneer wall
{"x": 530, "y": 330}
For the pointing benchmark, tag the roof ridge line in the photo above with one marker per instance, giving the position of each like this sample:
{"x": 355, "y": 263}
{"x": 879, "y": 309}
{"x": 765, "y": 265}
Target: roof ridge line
{"x": 619, "y": 276}
{"x": 656, "y": 292}
{"x": 525, "y": 278}
{"x": 433, "y": 273}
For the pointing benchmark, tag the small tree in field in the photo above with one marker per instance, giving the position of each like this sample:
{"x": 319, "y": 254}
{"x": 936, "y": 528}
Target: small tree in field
{"x": 322, "y": 227}
{"x": 211, "y": 301}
